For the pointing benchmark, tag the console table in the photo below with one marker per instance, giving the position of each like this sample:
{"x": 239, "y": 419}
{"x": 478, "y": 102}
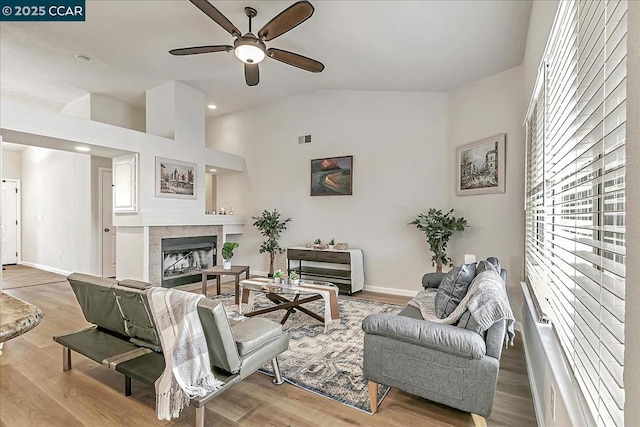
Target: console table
{"x": 343, "y": 268}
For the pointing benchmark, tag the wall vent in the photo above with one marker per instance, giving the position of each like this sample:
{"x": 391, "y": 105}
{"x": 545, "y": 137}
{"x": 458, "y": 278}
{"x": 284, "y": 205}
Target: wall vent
{"x": 304, "y": 139}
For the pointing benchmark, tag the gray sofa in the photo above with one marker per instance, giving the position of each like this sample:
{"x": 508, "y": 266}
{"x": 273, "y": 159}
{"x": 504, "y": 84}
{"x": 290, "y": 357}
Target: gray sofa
{"x": 123, "y": 336}
{"x": 443, "y": 363}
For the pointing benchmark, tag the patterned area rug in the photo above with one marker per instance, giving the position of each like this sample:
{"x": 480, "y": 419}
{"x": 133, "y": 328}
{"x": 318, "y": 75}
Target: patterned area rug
{"x": 326, "y": 364}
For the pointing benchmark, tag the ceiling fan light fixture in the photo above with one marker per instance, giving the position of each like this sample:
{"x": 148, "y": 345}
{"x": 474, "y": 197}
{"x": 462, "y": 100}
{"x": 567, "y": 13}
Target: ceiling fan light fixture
{"x": 249, "y": 49}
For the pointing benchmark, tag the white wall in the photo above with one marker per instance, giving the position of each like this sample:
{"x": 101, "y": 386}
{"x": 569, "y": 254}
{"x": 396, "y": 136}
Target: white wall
{"x": 542, "y": 15}
{"x": 479, "y": 110}
{"x": 56, "y": 202}
{"x": 11, "y": 164}
{"x": 398, "y": 141}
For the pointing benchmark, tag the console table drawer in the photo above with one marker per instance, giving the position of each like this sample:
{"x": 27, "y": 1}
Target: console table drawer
{"x": 301, "y": 254}
{"x": 337, "y": 257}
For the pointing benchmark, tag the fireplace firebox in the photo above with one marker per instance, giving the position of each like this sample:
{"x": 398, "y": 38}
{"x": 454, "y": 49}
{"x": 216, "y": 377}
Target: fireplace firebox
{"x": 183, "y": 259}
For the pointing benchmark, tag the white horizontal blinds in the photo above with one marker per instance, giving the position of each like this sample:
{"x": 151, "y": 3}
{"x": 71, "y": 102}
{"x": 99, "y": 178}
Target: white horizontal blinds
{"x": 583, "y": 246}
{"x": 534, "y": 191}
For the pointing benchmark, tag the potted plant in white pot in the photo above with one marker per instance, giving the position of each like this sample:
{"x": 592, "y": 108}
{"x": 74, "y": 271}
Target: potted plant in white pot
{"x": 294, "y": 279}
{"x": 277, "y": 276}
{"x": 227, "y": 254}
{"x": 332, "y": 243}
{"x": 438, "y": 227}
{"x": 270, "y": 226}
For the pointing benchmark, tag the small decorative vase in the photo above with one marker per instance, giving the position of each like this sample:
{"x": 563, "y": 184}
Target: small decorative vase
{"x": 331, "y": 246}
{"x": 276, "y": 279}
{"x": 226, "y": 264}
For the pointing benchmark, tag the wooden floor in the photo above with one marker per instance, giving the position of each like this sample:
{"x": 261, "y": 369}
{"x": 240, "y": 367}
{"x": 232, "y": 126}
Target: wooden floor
{"x": 34, "y": 391}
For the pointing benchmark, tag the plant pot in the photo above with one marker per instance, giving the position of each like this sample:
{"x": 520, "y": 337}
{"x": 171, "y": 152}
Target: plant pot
{"x": 294, "y": 282}
{"x": 331, "y": 246}
{"x": 226, "y": 264}
{"x": 277, "y": 279}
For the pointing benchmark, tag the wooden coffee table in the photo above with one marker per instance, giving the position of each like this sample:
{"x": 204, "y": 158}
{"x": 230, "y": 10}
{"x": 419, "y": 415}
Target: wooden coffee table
{"x": 217, "y": 271}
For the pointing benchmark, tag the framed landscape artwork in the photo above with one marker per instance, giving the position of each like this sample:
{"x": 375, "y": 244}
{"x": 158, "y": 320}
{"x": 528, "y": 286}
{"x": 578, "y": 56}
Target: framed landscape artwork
{"x": 481, "y": 166}
{"x": 332, "y": 176}
{"x": 175, "y": 179}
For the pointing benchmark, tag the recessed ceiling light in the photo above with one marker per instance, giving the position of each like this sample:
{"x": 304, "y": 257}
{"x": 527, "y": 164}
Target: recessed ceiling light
{"x": 84, "y": 58}
{"x": 213, "y": 170}
{"x": 83, "y": 149}
{"x": 212, "y": 106}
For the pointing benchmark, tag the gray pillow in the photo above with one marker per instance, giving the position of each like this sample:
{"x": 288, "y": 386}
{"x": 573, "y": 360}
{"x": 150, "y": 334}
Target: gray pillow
{"x": 468, "y": 322}
{"x": 487, "y": 266}
{"x": 453, "y": 288}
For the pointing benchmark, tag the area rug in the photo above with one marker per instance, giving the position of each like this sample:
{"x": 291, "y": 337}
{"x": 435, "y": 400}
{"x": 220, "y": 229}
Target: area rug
{"x": 326, "y": 364}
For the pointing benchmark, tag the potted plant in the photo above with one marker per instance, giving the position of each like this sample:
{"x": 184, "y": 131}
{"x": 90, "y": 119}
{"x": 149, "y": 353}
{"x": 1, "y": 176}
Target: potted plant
{"x": 332, "y": 243}
{"x": 227, "y": 254}
{"x": 317, "y": 244}
{"x": 294, "y": 279}
{"x": 270, "y": 226}
{"x": 277, "y": 276}
{"x": 438, "y": 227}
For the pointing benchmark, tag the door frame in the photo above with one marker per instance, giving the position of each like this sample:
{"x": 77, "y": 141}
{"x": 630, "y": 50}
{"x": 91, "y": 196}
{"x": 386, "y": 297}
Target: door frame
{"x": 100, "y": 216}
{"x": 19, "y": 216}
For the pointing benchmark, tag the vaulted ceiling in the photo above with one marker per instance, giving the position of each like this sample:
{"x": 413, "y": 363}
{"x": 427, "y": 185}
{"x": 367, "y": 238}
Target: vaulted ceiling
{"x": 365, "y": 45}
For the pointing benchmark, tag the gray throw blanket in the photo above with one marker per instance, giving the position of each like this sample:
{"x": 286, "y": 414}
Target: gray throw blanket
{"x": 486, "y": 300}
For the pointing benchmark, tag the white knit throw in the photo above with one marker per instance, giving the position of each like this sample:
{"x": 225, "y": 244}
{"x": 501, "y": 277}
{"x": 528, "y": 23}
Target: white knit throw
{"x": 486, "y": 299}
{"x": 187, "y": 372}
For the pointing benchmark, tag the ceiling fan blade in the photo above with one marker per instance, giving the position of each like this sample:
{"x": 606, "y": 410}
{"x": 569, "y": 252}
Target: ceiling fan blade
{"x": 251, "y": 74}
{"x": 296, "y": 60}
{"x": 288, "y": 19}
{"x": 217, "y": 16}
{"x": 201, "y": 49}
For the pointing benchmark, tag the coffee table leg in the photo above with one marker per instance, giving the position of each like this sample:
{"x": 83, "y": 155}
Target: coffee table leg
{"x": 218, "y": 284}
{"x": 204, "y": 284}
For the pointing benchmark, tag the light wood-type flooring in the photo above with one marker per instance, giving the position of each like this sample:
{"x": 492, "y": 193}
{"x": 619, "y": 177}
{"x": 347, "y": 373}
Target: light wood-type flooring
{"x": 34, "y": 391}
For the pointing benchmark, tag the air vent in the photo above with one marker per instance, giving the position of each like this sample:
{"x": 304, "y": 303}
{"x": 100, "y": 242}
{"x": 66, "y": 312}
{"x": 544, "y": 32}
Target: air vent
{"x": 304, "y": 139}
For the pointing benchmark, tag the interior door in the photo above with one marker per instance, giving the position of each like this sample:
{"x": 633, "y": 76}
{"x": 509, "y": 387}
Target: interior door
{"x": 108, "y": 230}
{"x": 9, "y": 222}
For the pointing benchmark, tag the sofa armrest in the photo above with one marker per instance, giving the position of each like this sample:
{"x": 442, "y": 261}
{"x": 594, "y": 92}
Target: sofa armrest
{"x": 432, "y": 280}
{"x": 436, "y": 336}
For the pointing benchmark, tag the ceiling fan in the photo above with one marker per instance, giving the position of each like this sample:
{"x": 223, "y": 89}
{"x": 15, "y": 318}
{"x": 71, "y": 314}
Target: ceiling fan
{"x": 251, "y": 49}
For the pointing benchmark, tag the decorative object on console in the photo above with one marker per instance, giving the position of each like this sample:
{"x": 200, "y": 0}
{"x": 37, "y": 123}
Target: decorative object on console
{"x": 227, "y": 253}
{"x": 270, "y": 226}
{"x": 342, "y": 246}
{"x": 332, "y": 243}
{"x": 332, "y": 176}
{"x": 317, "y": 244}
{"x": 175, "y": 179}
{"x": 438, "y": 227}
{"x": 481, "y": 166}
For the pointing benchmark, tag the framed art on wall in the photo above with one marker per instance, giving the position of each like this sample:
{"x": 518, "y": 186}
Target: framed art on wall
{"x": 175, "y": 179}
{"x": 481, "y": 166}
{"x": 332, "y": 176}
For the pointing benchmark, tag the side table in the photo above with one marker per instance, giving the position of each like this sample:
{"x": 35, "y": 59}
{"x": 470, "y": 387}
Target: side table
{"x": 218, "y": 271}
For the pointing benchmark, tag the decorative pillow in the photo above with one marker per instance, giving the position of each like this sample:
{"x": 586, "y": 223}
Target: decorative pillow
{"x": 453, "y": 288}
{"x": 486, "y": 265}
{"x": 468, "y": 322}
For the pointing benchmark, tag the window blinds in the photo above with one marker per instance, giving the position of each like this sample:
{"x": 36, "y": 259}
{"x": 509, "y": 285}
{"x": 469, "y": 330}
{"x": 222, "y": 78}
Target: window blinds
{"x": 575, "y": 195}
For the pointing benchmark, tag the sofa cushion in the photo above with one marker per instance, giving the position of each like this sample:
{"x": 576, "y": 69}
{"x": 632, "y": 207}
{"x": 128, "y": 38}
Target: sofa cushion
{"x": 137, "y": 320}
{"x": 485, "y": 265}
{"x": 453, "y": 288}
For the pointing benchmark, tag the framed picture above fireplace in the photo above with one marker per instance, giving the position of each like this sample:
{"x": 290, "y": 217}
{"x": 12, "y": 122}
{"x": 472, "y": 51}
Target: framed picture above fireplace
{"x": 175, "y": 179}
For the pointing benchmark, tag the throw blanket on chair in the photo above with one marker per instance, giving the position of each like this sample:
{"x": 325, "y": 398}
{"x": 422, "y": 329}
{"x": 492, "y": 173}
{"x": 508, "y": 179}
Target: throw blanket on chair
{"x": 329, "y": 295}
{"x": 187, "y": 371}
{"x": 486, "y": 300}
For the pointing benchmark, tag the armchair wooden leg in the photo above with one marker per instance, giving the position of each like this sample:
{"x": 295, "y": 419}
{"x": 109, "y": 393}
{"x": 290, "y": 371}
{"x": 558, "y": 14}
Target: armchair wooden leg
{"x": 373, "y": 396}
{"x": 479, "y": 421}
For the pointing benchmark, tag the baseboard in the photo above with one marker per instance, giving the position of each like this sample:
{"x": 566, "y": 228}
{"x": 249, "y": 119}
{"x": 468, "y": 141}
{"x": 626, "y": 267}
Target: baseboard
{"x": 392, "y": 291}
{"x": 46, "y": 268}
